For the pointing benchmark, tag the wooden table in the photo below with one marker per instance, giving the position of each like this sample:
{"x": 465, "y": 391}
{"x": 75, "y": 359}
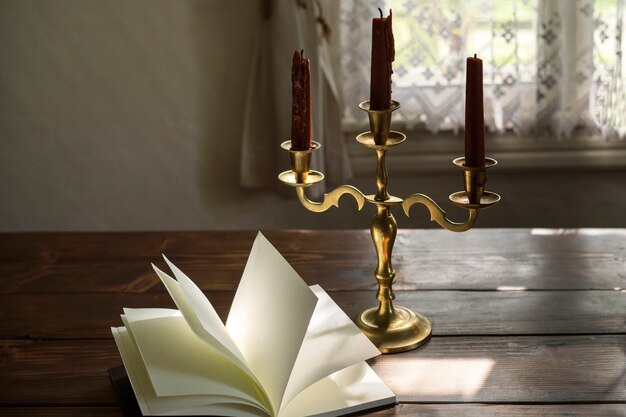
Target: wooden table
{"x": 526, "y": 322}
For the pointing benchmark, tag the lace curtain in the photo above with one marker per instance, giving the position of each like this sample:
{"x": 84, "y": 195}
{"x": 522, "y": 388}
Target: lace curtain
{"x": 549, "y": 66}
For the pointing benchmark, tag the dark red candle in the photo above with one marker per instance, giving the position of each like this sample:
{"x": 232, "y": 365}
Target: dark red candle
{"x": 474, "y": 119}
{"x": 300, "y": 103}
{"x": 383, "y": 54}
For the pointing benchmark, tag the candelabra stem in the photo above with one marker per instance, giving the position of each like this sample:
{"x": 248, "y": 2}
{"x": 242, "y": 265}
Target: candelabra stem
{"x": 383, "y": 230}
{"x": 391, "y": 328}
{"x": 381, "y": 177}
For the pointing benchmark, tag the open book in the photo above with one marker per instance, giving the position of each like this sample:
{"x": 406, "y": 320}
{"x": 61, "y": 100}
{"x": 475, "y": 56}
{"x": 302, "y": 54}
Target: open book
{"x": 287, "y": 350}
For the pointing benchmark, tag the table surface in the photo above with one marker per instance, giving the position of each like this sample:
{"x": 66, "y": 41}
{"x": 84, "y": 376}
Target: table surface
{"x": 525, "y": 322}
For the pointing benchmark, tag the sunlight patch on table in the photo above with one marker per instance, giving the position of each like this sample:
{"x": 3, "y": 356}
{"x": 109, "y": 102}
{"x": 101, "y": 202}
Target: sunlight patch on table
{"x": 510, "y": 288}
{"x": 462, "y": 378}
{"x": 583, "y": 232}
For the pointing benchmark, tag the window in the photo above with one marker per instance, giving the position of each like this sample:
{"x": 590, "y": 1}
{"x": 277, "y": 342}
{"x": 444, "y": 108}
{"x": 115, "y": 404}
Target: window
{"x": 549, "y": 66}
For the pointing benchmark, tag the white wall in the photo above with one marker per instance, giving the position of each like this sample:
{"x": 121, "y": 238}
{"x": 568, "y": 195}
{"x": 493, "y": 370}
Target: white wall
{"x": 124, "y": 114}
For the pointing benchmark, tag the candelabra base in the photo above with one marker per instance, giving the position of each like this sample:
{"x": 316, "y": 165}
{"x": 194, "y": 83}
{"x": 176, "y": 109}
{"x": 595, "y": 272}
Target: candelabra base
{"x": 403, "y": 330}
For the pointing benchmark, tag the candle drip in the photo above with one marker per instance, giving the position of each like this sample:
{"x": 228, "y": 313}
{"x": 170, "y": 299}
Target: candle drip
{"x": 301, "y": 120}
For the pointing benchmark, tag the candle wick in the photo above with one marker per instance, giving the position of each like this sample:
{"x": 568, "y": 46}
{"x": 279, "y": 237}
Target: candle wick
{"x": 302, "y": 53}
{"x": 474, "y": 55}
{"x": 381, "y": 12}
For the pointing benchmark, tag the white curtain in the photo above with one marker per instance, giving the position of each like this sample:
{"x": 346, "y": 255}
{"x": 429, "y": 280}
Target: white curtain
{"x": 564, "y": 66}
{"x": 609, "y": 83}
{"x": 287, "y": 26}
{"x": 550, "y": 66}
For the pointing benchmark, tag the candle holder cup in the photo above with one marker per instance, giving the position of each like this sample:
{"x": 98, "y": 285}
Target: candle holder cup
{"x": 380, "y": 121}
{"x": 300, "y": 175}
{"x": 475, "y": 179}
{"x": 391, "y": 328}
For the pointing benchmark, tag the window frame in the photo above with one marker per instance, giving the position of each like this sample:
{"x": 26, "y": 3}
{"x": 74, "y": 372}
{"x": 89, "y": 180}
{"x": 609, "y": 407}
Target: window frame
{"x": 425, "y": 152}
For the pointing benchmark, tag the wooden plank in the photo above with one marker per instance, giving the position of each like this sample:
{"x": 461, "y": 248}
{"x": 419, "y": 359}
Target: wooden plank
{"x": 460, "y": 369}
{"x": 401, "y": 410}
{"x": 62, "y": 245}
{"x": 90, "y": 315}
{"x": 110, "y": 411}
{"x": 536, "y": 369}
{"x": 500, "y": 410}
{"x": 339, "y": 260}
{"x": 57, "y": 373}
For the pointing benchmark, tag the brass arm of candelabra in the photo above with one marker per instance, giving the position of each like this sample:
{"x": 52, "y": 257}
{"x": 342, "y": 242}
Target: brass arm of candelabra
{"x": 391, "y": 328}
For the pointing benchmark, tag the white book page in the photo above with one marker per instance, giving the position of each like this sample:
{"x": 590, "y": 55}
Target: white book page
{"x": 150, "y": 404}
{"x": 332, "y": 342}
{"x": 269, "y": 317}
{"x": 350, "y": 390}
{"x": 180, "y": 363}
{"x": 218, "y": 409}
{"x": 133, "y": 364}
{"x": 200, "y": 314}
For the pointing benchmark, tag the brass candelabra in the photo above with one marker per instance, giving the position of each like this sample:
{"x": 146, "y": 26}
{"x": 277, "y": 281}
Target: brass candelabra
{"x": 391, "y": 328}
